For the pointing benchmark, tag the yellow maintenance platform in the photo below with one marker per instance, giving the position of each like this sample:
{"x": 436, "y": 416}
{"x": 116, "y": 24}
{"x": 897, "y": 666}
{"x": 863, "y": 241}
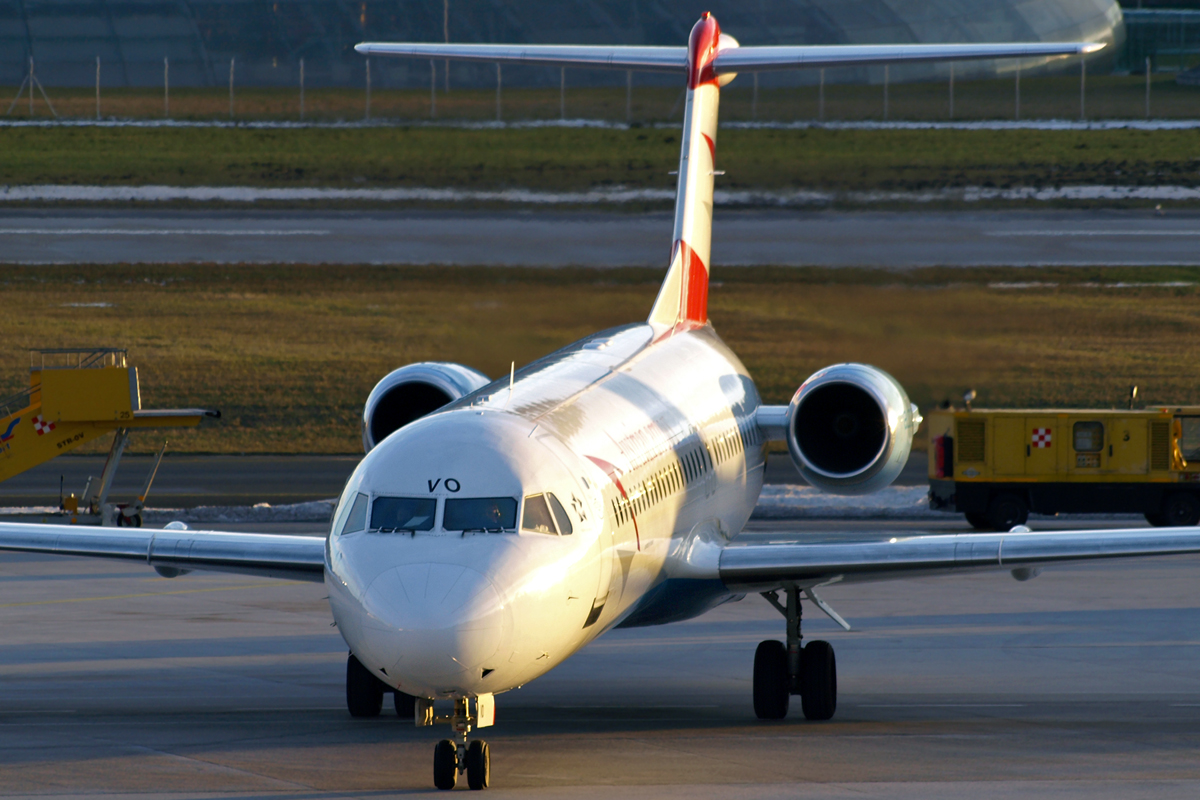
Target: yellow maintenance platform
{"x": 74, "y": 396}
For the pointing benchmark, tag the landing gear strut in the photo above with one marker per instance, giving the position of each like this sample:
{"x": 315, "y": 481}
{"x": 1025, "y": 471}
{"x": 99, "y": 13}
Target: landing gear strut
{"x": 781, "y": 671}
{"x": 453, "y": 758}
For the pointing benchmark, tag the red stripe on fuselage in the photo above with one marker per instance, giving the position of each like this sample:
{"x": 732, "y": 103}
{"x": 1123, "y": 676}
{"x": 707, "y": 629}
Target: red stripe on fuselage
{"x": 613, "y": 474}
{"x": 702, "y": 51}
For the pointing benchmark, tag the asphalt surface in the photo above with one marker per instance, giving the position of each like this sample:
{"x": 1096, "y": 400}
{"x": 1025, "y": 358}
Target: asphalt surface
{"x": 190, "y": 481}
{"x": 1083, "y": 683}
{"x": 558, "y": 238}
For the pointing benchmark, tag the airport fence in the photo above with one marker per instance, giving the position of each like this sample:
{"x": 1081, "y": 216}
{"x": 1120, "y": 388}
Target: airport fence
{"x": 1148, "y": 95}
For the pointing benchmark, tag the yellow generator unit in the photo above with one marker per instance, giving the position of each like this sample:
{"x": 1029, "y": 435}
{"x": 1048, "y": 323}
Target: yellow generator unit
{"x": 996, "y": 466}
{"x": 75, "y": 396}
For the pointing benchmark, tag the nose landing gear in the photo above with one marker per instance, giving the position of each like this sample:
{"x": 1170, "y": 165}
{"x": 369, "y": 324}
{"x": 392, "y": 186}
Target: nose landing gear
{"x": 450, "y": 758}
{"x": 780, "y": 672}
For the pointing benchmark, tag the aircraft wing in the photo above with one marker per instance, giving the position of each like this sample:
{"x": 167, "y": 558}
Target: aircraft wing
{"x": 172, "y": 552}
{"x": 764, "y": 567}
{"x": 729, "y": 59}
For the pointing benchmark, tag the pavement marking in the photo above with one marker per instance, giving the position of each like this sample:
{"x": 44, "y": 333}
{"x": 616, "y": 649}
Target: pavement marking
{"x": 150, "y": 594}
{"x": 1084, "y": 232}
{"x": 939, "y": 705}
{"x": 153, "y": 232}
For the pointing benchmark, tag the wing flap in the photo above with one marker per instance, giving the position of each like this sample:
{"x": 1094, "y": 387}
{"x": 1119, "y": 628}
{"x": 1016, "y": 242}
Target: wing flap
{"x": 765, "y": 567}
{"x": 262, "y": 554}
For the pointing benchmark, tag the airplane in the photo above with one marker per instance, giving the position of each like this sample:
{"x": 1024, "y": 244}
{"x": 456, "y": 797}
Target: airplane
{"x": 495, "y": 528}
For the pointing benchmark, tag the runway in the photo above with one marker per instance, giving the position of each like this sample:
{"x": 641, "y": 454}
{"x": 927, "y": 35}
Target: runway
{"x": 1081, "y": 683}
{"x": 560, "y": 238}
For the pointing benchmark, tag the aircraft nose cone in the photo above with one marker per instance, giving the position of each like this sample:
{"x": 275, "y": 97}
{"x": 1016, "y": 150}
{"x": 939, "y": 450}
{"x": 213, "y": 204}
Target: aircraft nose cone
{"x": 439, "y": 623}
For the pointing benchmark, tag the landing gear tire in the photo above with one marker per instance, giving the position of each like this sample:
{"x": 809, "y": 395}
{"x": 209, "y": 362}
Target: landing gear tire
{"x": 978, "y": 521}
{"x": 818, "y": 689}
{"x": 364, "y": 692}
{"x": 772, "y": 688}
{"x": 1181, "y": 510}
{"x": 406, "y": 705}
{"x": 1006, "y": 511}
{"x": 445, "y": 764}
{"x": 479, "y": 765}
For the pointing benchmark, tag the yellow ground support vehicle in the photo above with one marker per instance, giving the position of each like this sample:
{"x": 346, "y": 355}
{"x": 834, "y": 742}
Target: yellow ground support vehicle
{"x": 996, "y": 466}
{"x": 75, "y": 396}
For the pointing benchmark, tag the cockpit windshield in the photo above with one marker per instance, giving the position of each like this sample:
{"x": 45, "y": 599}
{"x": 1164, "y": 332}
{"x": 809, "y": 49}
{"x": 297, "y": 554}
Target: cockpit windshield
{"x": 389, "y": 514}
{"x": 488, "y": 514}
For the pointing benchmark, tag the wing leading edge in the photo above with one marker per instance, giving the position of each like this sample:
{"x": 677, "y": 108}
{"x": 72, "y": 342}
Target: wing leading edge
{"x": 172, "y": 552}
{"x": 729, "y": 60}
{"x": 766, "y": 567}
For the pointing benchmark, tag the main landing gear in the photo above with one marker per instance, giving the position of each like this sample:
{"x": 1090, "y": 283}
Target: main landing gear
{"x": 364, "y": 693}
{"x": 781, "y": 671}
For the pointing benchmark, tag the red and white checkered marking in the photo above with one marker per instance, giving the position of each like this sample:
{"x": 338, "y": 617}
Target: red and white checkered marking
{"x": 41, "y": 426}
{"x": 1041, "y": 437}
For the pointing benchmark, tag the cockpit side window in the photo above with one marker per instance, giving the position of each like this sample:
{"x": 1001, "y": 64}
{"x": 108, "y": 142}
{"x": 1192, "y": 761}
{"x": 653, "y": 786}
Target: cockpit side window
{"x": 560, "y": 515}
{"x": 486, "y": 514}
{"x": 390, "y": 514}
{"x": 537, "y": 517}
{"x": 356, "y": 520}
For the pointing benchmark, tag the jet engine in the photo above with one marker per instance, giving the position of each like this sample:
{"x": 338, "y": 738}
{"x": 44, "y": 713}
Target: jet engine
{"x": 849, "y": 428}
{"x": 411, "y": 392}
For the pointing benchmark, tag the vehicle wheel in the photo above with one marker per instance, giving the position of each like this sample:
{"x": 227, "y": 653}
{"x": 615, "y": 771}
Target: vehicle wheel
{"x": 445, "y": 764}
{"x": 364, "y": 692}
{"x": 978, "y": 521}
{"x": 1007, "y": 510}
{"x": 1155, "y": 519}
{"x": 772, "y": 689}
{"x": 818, "y": 692}
{"x": 479, "y": 765}
{"x": 1181, "y": 510}
{"x": 406, "y": 705}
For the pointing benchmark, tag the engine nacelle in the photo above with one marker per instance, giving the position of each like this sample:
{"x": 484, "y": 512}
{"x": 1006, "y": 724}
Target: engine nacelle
{"x": 410, "y": 393}
{"x": 850, "y": 428}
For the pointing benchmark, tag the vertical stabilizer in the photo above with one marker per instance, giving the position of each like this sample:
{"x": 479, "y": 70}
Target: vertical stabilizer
{"x": 683, "y": 297}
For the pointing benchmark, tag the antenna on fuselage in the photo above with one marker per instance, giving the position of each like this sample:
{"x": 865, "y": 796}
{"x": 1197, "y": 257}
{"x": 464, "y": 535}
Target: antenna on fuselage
{"x": 512, "y": 376}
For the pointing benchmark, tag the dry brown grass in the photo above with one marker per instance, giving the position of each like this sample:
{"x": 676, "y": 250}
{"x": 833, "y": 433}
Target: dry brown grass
{"x": 289, "y": 353}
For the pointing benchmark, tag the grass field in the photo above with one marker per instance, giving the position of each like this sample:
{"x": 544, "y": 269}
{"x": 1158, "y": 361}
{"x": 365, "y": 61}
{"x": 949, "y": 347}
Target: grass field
{"x": 289, "y": 353}
{"x": 1054, "y": 97}
{"x": 578, "y": 159}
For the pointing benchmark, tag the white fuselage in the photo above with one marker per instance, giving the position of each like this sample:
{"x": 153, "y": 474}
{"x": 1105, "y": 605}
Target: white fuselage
{"x": 647, "y": 440}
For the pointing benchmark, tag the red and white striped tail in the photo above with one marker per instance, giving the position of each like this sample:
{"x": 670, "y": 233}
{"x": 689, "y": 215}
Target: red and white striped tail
{"x": 683, "y": 298}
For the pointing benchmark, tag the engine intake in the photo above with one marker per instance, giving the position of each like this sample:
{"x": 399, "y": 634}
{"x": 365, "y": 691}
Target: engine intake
{"x": 411, "y": 392}
{"x": 850, "y": 429}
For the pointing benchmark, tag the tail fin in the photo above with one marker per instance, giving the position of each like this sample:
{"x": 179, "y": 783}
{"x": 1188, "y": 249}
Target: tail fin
{"x": 683, "y": 297}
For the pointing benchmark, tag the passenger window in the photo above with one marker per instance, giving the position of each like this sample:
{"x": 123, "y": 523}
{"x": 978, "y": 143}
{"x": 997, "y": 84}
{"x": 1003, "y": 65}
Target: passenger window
{"x": 486, "y": 514}
{"x": 390, "y": 514}
{"x": 560, "y": 516}
{"x": 356, "y": 520}
{"x": 537, "y": 518}
{"x": 1089, "y": 437}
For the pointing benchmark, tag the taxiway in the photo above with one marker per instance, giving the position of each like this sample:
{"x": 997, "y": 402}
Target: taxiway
{"x": 1082, "y": 683}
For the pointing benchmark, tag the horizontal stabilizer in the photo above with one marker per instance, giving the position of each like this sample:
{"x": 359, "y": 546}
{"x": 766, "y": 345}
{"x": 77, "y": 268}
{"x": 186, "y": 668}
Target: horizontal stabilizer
{"x": 642, "y": 59}
{"x": 729, "y": 59}
{"x": 763, "y": 59}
